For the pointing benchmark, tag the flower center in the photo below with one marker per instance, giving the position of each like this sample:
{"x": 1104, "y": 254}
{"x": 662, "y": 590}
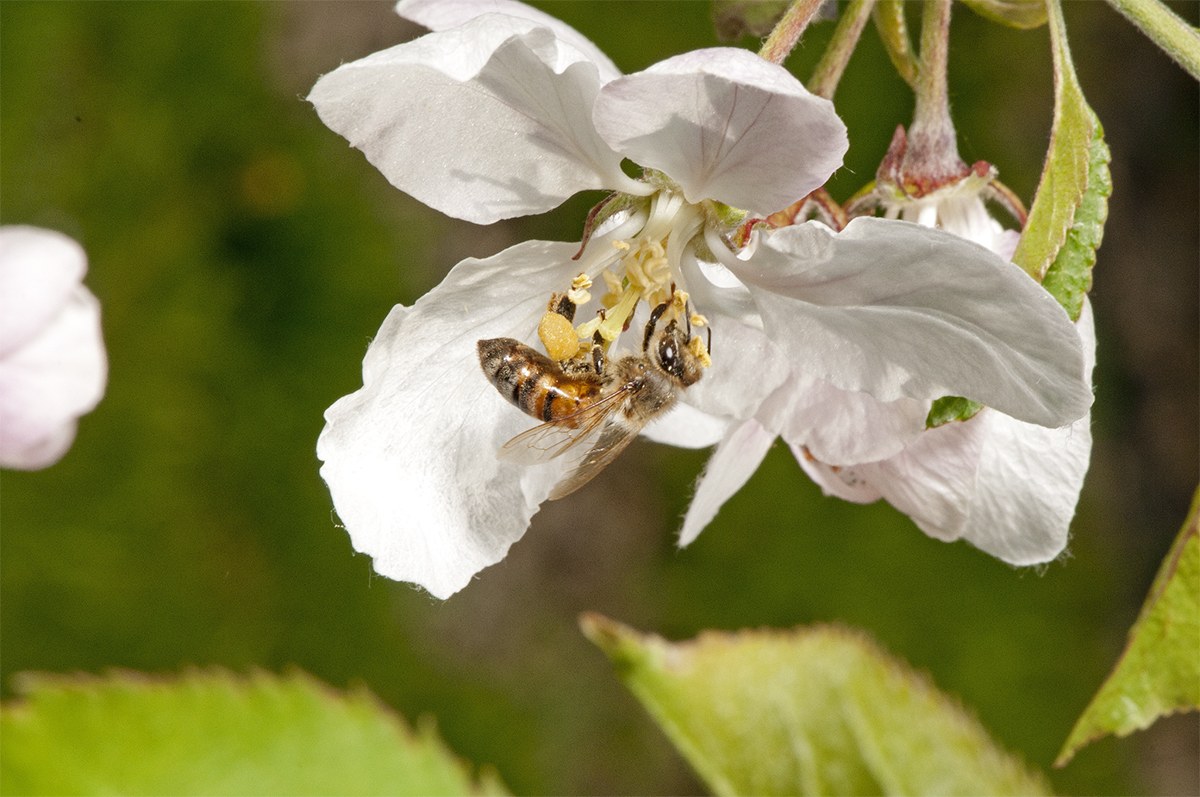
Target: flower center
{"x": 642, "y": 267}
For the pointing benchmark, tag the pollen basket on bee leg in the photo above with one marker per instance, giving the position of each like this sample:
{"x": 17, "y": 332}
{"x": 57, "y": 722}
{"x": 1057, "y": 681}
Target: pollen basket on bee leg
{"x": 558, "y": 336}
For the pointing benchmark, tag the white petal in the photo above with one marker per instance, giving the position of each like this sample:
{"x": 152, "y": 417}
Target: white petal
{"x": 1029, "y": 480}
{"x": 933, "y": 480}
{"x": 746, "y": 368}
{"x": 446, "y": 14}
{"x": 410, "y": 458}
{"x": 483, "y": 122}
{"x": 1008, "y": 487}
{"x": 725, "y": 125}
{"x": 842, "y": 427}
{"x": 39, "y": 271}
{"x": 686, "y": 427}
{"x": 731, "y": 466}
{"x": 843, "y": 483}
{"x": 49, "y": 382}
{"x": 897, "y": 310}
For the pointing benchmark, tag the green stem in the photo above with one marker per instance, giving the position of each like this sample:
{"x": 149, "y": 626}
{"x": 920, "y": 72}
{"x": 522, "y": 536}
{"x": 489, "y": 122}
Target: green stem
{"x": 893, "y": 31}
{"x": 833, "y": 63}
{"x": 788, "y": 30}
{"x": 1165, "y": 28}
{"x": 932, "y": 152}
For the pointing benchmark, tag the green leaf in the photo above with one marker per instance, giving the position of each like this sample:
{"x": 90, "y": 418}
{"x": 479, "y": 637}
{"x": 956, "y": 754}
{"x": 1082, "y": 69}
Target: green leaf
{"x": 1069, "y": 278}
{"x": 1075, "y": 144}
{"x": 212, "y": 732}
{"x": 1159, "y": 671}
{"x": 893, "y": 31}
{"x": 819, "y": 710}
{"x": 734, "y": 19}
{"x": 951, "y": 408}
{"x": 1022, "y": 14}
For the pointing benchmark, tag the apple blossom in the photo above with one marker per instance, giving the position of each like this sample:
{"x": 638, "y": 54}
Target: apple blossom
{"x": 53, "y": 367}
{"x": 1006, "y": 486}
{"x": 500, "y": 112}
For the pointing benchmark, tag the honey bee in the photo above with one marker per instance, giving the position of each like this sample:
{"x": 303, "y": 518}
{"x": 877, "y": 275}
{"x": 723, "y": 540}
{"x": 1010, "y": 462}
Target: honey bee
{"x": 590, "y": 408}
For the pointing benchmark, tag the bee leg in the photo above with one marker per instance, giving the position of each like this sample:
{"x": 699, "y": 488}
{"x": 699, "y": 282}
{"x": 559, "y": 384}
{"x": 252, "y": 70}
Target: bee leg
{"x": 598, "y": 353}
{"x": 655, "y": 315}
{"x": 559, "y": 303}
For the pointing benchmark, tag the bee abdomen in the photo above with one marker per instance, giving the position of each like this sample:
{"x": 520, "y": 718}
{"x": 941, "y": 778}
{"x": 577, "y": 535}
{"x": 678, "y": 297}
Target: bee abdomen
{"x": 533, "y": 382}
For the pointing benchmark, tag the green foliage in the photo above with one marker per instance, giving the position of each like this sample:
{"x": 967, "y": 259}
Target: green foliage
{"x": 1069, "y": 278}
{"x": 216, "y": 733}
{"x": 1021, "y": 14}
{"x": 1076, "y": 166}
{"x": 1159, "y": 671}
{"x": 819, "y": 710}
{"x": 951, "y": 408}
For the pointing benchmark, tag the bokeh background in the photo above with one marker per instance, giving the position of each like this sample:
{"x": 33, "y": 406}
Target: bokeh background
{"x": 244, "y": 256}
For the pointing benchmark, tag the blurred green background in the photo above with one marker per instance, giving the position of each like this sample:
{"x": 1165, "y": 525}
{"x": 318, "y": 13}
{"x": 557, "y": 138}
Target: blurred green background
{"x": 244, "y": 256}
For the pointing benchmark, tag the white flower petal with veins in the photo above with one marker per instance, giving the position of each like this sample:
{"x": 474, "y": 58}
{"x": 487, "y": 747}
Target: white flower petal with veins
{"x": 898, "y": 310}
{"x": 720, "y": 123}
{"x": 513, "y": 132}
{"x": 445, "y": 14}
{"x": 410, "y": 458}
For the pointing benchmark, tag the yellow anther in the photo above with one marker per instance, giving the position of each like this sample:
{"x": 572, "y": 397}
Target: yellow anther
{"x": 622, "y": 245}
{"x": 615, "y": 288}
{"x": 698, "y": 320}
{"x": 679, "y": 302}
{"x": 558, "y": 336}
{"x": 697, "y": 347}
{"x": 579, "y": 296}
{"x": 585, "y": 330}
{"x": 614, "y": 320}
{"x": 647, "y": 266}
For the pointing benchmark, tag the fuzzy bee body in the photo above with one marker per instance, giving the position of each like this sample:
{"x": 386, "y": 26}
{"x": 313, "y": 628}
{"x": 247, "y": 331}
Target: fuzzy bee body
{"x": 590, "y": 408}
{"x": 534, "y": 383}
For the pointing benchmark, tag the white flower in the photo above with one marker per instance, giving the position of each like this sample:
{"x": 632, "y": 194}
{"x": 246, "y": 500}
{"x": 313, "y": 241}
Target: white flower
{"x": 53, "y": 367}
{"x": 1006, "y": 486}
{"x": 503, "y": 112}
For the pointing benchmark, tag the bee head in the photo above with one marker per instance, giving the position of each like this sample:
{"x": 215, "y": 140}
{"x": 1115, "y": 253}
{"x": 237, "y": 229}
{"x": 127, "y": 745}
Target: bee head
{"x": 668, "y": 350}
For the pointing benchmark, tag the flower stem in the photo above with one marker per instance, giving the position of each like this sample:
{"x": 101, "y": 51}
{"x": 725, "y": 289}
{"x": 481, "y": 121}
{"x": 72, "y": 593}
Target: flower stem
{"x": 829, "y": 70}
{"x": 1165, "y": 28}
{"x": 788, "y": 30}
{"x": 893, "y": 31}
{"x": 932, "y": 143}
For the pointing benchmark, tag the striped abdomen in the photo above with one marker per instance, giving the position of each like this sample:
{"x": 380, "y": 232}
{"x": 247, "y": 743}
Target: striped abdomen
{"x": 533, "y": 382}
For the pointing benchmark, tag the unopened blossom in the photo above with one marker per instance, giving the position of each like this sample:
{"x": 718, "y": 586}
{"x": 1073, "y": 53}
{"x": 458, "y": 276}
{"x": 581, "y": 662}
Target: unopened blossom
{"x": 502, "y": 111}
{"x": 53, "y": 368}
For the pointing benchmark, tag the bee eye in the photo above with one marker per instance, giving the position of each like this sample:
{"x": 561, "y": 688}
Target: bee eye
{"x": 668, "y": 356}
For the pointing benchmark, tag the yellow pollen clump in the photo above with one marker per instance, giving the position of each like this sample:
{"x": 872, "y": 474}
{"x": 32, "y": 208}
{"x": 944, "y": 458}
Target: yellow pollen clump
{"x": 697, "y": 347}
{"x": 698, "y": 320}
{"x": 558, "y": 336}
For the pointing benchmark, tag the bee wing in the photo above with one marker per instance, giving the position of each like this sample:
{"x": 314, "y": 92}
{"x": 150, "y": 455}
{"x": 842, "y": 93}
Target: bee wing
{"x": 612, "y": 441}
{"x": 555, "y": 438}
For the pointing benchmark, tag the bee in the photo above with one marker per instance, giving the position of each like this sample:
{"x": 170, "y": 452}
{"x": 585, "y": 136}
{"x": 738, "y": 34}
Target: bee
{"x": 590, "y": 408}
